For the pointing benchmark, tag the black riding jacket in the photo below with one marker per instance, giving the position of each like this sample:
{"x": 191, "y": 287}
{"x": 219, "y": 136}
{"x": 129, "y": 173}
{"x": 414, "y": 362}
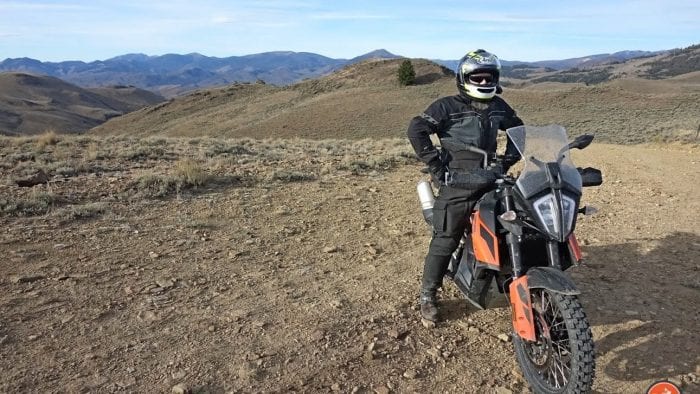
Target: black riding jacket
{"x": 459, "y": 121}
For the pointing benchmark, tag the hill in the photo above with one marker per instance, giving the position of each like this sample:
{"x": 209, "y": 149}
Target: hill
{"x": 358, "y": 101}
{"x": 173, "y": 74}
{"x": 364, "y": 100}
{"x": 32, "y": 104}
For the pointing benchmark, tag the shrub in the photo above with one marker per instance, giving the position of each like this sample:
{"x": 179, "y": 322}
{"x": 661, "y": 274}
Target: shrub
{"x": 190, "y": 172}
{"x": 292, "y": 176}
{"x": 85, "y": 211}
{"x": 38, "y": 203}
{"x": 48, "y": 138}
{"x": 406, "y": 73}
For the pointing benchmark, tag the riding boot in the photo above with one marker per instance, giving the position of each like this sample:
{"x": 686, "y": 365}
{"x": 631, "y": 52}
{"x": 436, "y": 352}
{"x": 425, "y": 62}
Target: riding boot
{"x": 433, "y": 272}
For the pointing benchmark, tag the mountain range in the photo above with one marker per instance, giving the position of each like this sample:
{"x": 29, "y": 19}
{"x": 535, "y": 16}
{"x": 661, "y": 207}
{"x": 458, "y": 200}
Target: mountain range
{"x": 360, "y": 97}
{"x": 173, "y": 74}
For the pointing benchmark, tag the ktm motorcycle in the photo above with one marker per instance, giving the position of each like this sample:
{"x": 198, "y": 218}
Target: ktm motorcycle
{"x": 520, "y": 243}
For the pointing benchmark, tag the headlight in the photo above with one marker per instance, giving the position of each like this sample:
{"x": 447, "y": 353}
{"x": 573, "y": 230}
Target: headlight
{"x": 548, "y": 213}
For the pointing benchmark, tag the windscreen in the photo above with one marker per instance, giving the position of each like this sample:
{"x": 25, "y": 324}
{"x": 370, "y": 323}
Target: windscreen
{"x": 543, "y": 144}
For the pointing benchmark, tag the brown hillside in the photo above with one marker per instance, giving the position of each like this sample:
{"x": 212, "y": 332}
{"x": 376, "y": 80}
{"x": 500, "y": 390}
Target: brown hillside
{"x": 365, "y": 101}
{"x": 32, "y": 104}
{"x": 131, "y": 97}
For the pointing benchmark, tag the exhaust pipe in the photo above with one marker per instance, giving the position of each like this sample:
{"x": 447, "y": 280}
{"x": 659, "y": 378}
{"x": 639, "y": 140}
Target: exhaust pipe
{"x": 427, "y": 199}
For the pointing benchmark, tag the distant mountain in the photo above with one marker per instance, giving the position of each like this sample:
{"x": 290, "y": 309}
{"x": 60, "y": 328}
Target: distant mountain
{"x": 578, "y": 62}
{"x": 376, "y": 54}
{"x": 173, "y": 74}
{"x": 676, "y": 62}
{"x": 32, "y": 104}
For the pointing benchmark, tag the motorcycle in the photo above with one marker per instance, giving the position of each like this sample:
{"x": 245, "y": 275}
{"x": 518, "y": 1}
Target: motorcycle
{"x": 520, "y": 243}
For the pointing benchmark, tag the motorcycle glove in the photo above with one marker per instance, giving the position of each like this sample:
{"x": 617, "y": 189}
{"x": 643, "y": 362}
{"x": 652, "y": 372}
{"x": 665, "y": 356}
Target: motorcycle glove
{"x": 437, "y": 171}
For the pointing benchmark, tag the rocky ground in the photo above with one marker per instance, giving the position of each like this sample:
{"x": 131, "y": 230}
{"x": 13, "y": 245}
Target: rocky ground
{"x": 292, "y": 266}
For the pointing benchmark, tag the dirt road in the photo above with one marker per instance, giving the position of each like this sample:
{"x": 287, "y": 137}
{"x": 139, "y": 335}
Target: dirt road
{"x": 309, "y": 284}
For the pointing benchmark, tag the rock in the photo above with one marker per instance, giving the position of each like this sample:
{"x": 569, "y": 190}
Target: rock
{"x": 336, "y": 304}
{"x": 165, "y": 282}
{"x": 382, "y": 390}
{"x": 177, "y": 375}
{"x": 26, "y": 278}
{"x": 394, "y": 333}
{"x": 318, "y": 335}
{"x": 180, "y": 389}
{"x": 147, "y": 316}
{"x": 126, "y": 383}
{"x": 355, "y": 390}
{"x": 282, "y": 211}
{"x": 335, "y": 387}
{"x": 503, "y": 390}
{"x": 373, "y": 250}
{"x": 60, "y": 246}
{"x": 37, "y": 179}
{"x": 427, "y": 323}
{"x": 631, "y": 313}
{"x": 330, "y": 249}
{"x": 435, "y": 353}
{"x": 504, "y": 337}
{"x": 153, "y": 255}
{"x": 410, "y": 374}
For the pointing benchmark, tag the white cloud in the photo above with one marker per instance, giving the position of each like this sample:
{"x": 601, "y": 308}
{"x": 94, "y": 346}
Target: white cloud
{"x": 28, "y": 6}
{"x": 346, "y": 16}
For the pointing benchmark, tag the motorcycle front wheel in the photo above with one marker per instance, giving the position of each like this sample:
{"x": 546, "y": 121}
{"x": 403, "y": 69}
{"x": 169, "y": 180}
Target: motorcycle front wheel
{"x": 561, "y": 360}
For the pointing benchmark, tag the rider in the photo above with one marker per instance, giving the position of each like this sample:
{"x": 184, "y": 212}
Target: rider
{"x": 472, "y": 117}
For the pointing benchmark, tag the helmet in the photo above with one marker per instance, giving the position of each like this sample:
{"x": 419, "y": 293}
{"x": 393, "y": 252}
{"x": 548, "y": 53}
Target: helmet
{"x": 477, "y": 75}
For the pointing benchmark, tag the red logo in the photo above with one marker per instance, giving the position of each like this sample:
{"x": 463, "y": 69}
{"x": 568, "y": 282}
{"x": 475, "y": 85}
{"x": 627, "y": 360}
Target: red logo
{"x": 664, "y": 387}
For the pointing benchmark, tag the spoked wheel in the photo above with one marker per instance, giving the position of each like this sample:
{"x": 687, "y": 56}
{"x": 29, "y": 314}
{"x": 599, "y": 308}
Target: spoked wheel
{"x": 561, "y": 360}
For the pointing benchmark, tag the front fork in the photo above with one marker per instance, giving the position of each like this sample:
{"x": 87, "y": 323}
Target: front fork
{"x": 520, "y": 300}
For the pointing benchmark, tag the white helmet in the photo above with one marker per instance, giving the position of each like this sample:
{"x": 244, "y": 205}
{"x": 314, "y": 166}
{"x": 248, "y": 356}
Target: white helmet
{"x": 477, "y": 75}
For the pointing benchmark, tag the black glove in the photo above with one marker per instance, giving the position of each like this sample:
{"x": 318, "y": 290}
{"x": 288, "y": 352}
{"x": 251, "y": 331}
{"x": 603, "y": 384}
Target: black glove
{"x": 437, "y": 172}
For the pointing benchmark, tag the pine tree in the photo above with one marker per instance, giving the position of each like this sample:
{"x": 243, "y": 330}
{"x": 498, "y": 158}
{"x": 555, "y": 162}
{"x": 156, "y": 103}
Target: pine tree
{"x": 406, "y": 73}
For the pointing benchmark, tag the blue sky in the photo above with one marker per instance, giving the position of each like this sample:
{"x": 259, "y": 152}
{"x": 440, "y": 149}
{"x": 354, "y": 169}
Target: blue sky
{"x": 514, "y": 30}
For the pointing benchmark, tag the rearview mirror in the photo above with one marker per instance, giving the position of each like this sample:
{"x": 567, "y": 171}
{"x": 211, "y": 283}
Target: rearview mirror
{"x": 581, "y": 141}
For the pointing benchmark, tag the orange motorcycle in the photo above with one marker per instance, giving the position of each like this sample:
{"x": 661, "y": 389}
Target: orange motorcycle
{"x": 520, "y": 243}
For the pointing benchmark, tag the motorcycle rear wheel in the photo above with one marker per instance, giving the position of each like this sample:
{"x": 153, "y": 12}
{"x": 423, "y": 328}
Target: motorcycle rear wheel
{"x": 561, "y": 360}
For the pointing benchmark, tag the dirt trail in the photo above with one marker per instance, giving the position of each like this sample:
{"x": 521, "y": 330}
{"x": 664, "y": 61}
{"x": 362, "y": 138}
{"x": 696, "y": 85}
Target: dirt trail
{"x": 311, "y": 287}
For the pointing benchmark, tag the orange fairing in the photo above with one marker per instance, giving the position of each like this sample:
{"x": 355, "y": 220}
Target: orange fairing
{"x": 575, "y": 248}
{"x": 522, "y": 309}
{"x": 484, "y": 241}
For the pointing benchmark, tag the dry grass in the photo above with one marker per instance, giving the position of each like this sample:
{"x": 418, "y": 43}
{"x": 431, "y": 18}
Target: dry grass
{"x": 84, "y": 170}
{"x": 190, "y": 172}
{"x": 36, "y": 203}
{"x": 85, "y": 211}
{"x": 49, "y": 137}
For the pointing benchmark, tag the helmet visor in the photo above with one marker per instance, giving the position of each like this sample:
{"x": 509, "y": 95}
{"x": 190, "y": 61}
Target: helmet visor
{"x": 482, "y": 78}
